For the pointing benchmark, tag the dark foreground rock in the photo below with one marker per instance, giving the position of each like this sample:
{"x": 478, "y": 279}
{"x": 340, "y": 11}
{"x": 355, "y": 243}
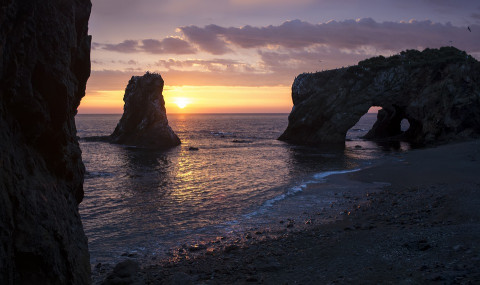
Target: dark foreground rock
{"x": 144, "y": 122}
{"x": 436, "y": 90}
{"x": 44, "y": 67}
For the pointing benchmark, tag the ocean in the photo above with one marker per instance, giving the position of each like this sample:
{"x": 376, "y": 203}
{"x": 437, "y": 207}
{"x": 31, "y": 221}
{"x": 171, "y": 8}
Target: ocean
{"x": 142, "y": 202}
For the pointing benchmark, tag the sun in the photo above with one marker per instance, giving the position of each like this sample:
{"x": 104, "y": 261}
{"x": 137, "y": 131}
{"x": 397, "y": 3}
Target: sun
{"x": 181, "y": 102}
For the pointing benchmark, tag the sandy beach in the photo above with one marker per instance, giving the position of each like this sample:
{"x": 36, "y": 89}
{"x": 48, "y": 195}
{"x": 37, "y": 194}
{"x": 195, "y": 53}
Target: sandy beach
{"x": 411, "y": 220}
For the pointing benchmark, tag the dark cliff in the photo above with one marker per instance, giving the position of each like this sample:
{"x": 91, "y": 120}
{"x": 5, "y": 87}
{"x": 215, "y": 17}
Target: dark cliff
{"x": 44, "y": 67}
{"x": 437, "y": 91}
{"x": 144, "y": 122}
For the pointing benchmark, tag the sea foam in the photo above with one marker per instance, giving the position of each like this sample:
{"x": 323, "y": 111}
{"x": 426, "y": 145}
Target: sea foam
{"x": 317, "y": 178}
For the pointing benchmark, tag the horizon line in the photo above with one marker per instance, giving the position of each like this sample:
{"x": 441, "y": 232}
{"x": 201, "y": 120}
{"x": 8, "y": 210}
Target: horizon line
{"x": 206, "y": 113}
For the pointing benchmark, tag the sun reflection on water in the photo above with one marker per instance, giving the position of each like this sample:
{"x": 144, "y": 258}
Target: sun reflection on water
{"x": 152, "y": 199}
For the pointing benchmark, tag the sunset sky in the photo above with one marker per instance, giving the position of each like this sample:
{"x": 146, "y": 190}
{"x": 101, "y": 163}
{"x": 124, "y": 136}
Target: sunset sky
{"x": 227, "y": 56}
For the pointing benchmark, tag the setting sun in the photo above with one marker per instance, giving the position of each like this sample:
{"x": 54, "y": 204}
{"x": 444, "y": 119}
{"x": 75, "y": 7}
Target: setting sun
{"x": 181, "y": 102}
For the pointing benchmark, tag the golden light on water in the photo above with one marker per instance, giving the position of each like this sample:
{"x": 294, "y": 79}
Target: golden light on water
{"x": 181, "y": 102}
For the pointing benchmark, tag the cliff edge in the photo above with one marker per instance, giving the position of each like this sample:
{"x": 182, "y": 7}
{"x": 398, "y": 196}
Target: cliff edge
{"x": 44, "y": 67}
{"x": 436, "y": 90}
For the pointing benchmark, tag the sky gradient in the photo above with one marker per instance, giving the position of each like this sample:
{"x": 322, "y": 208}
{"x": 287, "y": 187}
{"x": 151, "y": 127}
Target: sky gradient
{"x": 242, "y": 55}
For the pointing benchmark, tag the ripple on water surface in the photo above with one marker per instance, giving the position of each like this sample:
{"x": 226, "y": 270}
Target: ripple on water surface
{"x": 147, "y": 201}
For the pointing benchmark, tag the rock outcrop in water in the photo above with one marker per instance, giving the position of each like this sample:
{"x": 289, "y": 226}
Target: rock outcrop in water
{"x": 437, "y": 91}
{"x": 144, "y": 122}
{"x": 44, "y": 67}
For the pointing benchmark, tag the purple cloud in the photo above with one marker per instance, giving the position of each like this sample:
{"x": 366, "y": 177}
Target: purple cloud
{"x": 317, "y": 59}
{"x": 349, "y": 34}
{"x": 208, "y": 38}
{"x": 168, "y": 45}
{"x": 285, "y": 50}
{"x": 205, "y": 65}
{"x": 127, "y": 46}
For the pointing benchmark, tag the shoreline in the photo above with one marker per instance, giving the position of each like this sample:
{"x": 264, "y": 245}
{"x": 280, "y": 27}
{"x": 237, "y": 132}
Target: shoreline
{"x": 413, "y": 220}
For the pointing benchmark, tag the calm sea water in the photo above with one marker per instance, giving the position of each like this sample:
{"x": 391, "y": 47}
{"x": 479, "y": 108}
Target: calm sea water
{"x": 148, "y": 201}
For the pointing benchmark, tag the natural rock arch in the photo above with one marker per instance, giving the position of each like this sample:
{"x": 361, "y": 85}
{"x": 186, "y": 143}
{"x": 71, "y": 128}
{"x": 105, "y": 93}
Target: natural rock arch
{"x": 437, "y": 91}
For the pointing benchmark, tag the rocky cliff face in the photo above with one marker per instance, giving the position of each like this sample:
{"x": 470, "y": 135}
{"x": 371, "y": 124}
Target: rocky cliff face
{"x": 144, "y": 122}
{"x": 437, "y": 91}
{"x": 44, "y": 67}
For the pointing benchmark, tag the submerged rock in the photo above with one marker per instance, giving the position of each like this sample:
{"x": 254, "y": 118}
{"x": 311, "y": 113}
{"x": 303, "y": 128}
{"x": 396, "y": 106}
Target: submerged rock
{"x": 44, "y": 67}
{"x": 437, "y": 91}
{"x": 125, "y": 272}
{"x": 144, "y": 122}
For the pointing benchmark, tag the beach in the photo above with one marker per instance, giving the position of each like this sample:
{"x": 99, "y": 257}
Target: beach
{"x": 416, "y": 222}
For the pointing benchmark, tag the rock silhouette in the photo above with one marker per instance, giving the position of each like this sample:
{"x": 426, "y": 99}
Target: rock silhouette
{"x": 436, "y": 90}
{"x": 144, "y": 122}
{"x": 44, "y": 67}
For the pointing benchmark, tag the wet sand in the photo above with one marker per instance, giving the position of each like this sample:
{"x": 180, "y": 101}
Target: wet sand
{"x": 412, "y": 220}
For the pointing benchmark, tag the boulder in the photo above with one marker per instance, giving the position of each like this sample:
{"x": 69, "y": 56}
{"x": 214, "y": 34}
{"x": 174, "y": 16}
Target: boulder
{"x": 44, "y": 67}
{"x": 125, "y": 272}
{"x": 436, "y": 90}
{"x": 144, "y": 122}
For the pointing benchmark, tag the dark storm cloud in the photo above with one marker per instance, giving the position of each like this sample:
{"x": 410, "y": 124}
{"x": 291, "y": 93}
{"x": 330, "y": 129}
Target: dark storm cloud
{"x": 349, "y": 34}
{"x": 168, "y": 45}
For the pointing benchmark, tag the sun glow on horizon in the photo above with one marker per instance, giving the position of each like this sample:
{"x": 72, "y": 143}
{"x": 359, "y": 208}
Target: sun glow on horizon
{"x": 181, "y": 102}
{"x": 199, "y": 99}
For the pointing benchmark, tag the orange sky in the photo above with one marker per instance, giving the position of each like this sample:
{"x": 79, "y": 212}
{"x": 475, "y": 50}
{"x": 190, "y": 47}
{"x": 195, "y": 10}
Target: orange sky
{"x": 201, "y": 99}
{"x": 242, "y": 56}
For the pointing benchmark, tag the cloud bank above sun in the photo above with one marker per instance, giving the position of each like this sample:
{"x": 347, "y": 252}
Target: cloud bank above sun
{"x": 271, "y": 55}
{"x": 233, "y": 44}
{"x": 296, "y": 34}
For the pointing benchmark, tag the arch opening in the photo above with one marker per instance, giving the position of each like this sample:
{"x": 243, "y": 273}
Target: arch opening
{"x": 388, "y": 125}
{"x": 363, "y": 125}
{"x": 404, "y": 125}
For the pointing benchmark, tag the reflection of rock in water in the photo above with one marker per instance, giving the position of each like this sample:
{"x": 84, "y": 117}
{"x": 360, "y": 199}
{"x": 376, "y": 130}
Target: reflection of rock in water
{"x": 144, "y": 122}
{"x": 146, "y": 169}
{"x": 44, "y": 67}
{"x": 435, "y": 90}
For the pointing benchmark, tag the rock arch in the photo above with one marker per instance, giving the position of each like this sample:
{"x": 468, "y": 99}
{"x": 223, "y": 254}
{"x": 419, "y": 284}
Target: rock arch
{"x": 437, "y": 91}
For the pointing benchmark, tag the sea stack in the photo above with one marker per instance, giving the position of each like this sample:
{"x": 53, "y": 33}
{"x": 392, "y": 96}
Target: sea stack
{"x": 44, "y": 67}
{"x": 437, "y": 91}
{"x": 144, "y": 122}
